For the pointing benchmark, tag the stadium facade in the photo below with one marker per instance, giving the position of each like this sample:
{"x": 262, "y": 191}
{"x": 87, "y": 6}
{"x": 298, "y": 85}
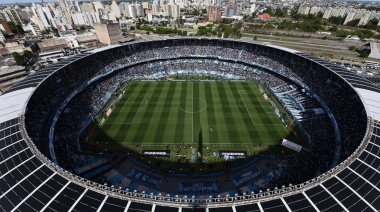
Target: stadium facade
{"x": 31, "y": 181}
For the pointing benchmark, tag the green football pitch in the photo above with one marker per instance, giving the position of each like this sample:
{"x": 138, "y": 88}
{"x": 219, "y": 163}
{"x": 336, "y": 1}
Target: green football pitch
{"x": 159, "y": 113}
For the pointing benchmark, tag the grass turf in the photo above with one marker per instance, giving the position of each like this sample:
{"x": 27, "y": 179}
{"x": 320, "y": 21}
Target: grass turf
{"x": 161, "y": 113}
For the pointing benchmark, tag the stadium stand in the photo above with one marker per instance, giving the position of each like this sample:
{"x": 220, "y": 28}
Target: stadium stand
{"x": 30, "y": 181}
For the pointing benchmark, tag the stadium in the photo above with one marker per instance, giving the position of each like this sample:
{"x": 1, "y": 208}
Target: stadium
{"x": 183, "y": 112}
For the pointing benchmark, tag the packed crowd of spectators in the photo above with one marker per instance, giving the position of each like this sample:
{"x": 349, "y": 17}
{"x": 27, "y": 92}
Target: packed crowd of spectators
{"x": 189, "y": 58}
{"x": 344, "y": 103}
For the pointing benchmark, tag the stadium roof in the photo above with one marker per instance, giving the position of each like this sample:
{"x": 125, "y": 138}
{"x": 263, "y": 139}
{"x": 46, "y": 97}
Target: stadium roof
{"x": 12, "y": 103}
{"x": 372, "y": 101}
{"x": 283, "y": 48}
{"x": 125, "y": 40}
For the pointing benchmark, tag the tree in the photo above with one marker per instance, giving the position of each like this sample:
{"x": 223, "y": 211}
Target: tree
{"x": 235, "y": 32}
{"x": 281, "y": 12}
{"x": 353, "y": 23}
{"x": 342, "y": 33}
{"x": 364, "y": 34}
{"x": 16, "y": 29}
{"x": 82, "y": 28}
{"x": 294, "y": 13}
{"x": 55, "y": 31}
{"x": 35, "y": 48}
{"x": 364, "y": 55}
{"x": 337, "y": 19}
{"x": 146, "y": 28}
{"x": 333, "y": 29}
{"x": 12, "y": 26}
{"x": 255, "y": 38}
{"x": 239, "y": 25}
{"x": 320, "y": 14}
{"x": 18, "y": 58}
{"x": 372, "y": 24}
{"x": 27, "y": 54}
{"x": 269, "y": 11}
{"x": 132, "y": 28}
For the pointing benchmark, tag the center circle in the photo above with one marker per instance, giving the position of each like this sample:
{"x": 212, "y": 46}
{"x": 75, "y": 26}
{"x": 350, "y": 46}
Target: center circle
{"x": 190, "y": 105}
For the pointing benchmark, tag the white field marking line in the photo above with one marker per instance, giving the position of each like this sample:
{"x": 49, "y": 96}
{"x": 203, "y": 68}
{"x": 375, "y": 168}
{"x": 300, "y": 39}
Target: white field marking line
{"x": 263, "y": 97}
{"x": 280, "y": 120}
{"x": 260, "y": 103}
{"x": 240, "y": 100}
{"x": 138, "y": 110}
{"x": 146, "y": 103}
{"x": 246, "y": 107}
{"x": 124, "y": 104}
{"x": 179, "y": 105}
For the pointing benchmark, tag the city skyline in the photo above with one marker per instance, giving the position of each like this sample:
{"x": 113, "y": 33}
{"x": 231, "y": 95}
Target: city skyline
{"x": 39, "y": 1}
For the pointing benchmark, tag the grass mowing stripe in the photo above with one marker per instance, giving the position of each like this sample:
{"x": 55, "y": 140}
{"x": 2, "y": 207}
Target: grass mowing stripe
{"x": 248, "y": 124}
{"x": 252, "y": 114}
{"x": 162, "y": 121}
{"x": 134, "y": 133}
{"x": 252, "y": 106}
{"x": 187, "y": 104}
{"x": 133, "y": 105}
{"x": 277, "y": 129}
{"x": 197, "y": 125}
{"x": 261, "y": 117}
{"x": 213, "y": 137}
{"x": 166, "y": 100}
{"x": 253, "y": 130}
{"x": 229, "y": 120}
{"x": 174, "y": 114}
{"x": 179, "y": 130}
{"x": 220, "y": 127}
{"x": 203, "y": 115}
{"x": 243, "y": 123}
{"x": 254, "y": 99}
{"x": 120, "y": 105}
{"x": 117, "y": 120}
{"x": 150, "y": 118}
